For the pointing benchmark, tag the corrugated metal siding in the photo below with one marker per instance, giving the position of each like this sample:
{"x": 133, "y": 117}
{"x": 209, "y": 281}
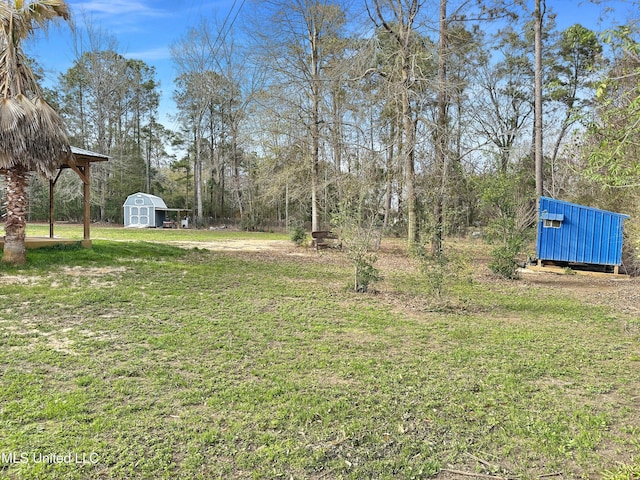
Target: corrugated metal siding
{"x": 585, "y": 235}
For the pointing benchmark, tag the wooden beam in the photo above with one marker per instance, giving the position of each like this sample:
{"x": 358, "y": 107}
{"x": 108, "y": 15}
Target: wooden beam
{"x": 79, "y": 171}
{"x": 84, "y": 173}
{"x": 568, "y": 271}
{"x": 51, "y": 184}
{"x": 86, "y": 178}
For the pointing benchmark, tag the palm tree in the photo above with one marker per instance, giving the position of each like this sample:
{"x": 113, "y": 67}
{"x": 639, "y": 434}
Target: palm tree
{"x": 32, "y": 134}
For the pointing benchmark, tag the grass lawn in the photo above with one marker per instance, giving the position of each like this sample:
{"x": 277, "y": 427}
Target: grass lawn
{"x": 142, "y": 358}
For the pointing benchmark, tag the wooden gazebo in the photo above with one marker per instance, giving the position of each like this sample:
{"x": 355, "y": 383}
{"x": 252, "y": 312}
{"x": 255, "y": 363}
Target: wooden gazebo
{"x": 81, "y": 164}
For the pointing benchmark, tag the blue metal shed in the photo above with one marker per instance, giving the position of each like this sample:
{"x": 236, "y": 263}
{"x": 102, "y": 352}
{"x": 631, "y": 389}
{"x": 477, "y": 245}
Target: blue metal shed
{"x": 572, "y": 233}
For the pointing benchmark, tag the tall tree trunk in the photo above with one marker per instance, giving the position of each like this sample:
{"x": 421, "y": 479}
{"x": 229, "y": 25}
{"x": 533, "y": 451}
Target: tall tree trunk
{"x": 197, "y": 176}
{"x": 15, "y": 221}
{"x": 222, "y": 184}
{"x": 315, "y": 131}
{"x": 214, "y": 158}
{"x": 538, "y": 99}
{"x": 390, "y": 174}
{"x": 441, "y": 136}
{"x": 148, "y": 160}
{"x": 237, "y": 183}
{"x": 409, "y": 127}
{"x": 409, "y": 169}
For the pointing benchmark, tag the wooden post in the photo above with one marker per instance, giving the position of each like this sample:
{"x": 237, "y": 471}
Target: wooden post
{"x": 51, "y": 185}
{"x": 87, "y": 203}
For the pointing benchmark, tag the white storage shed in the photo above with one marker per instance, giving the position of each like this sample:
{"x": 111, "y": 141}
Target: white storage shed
{"x": 144, "y": 210}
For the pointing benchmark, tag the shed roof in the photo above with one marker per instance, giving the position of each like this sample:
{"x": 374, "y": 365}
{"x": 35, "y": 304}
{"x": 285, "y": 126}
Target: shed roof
{"x": 548, "y": 201}
{"x": 155, "y": 201}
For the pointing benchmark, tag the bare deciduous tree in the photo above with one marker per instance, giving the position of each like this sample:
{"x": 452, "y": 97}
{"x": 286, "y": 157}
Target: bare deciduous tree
{"x": 397, "y": 18}
{"x": 297, "y": 40}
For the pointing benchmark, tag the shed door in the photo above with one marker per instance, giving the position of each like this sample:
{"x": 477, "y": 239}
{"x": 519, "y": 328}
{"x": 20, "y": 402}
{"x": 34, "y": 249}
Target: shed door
{"x": 144, "y": 216}
{"x": 134, "y": 218}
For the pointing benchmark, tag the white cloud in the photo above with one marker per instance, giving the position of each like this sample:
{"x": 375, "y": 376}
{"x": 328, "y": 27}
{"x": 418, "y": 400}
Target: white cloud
{"x": 117, "y": 7}
{"x": 160, "y": 53}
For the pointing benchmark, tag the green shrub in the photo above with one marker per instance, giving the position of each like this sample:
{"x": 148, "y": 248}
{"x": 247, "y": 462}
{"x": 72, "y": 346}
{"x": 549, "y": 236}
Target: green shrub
{"x": 365, "y": 272}
{"x": 510, "y": 205}
{"x": 299, "y": 235}
{"x": 441, "y": 271}
{"x": 503, "y": 259}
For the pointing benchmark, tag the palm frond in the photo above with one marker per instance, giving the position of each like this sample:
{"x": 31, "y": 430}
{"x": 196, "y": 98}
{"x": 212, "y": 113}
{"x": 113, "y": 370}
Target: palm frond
{"x": 43, "y": 11}
{"x": 11, "y": 114}
{"x": 32, "y": 134}
{"x": 18, "y": 19}
{"x": 6, "y": 13}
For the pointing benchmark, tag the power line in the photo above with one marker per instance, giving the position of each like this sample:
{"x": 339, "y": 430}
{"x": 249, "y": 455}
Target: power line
{"x": 222, "y": 35}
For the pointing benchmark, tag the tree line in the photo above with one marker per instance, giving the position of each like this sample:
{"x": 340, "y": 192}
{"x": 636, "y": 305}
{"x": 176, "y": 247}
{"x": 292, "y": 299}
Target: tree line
{"x": 420, "y": 114}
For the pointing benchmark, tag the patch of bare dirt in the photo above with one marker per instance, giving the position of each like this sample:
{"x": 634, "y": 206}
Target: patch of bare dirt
{"x": 18, "y": 280}
{"x": 244, "y": 245}
{"x": 91, "y": 271}
{"x": 51, "y": 339}
{"x": 619, "y": 293}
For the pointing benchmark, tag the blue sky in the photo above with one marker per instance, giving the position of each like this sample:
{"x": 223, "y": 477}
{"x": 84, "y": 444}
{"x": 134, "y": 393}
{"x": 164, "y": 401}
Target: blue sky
{"x": 145, "y": 29}
{"x": 593, "y": 14}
